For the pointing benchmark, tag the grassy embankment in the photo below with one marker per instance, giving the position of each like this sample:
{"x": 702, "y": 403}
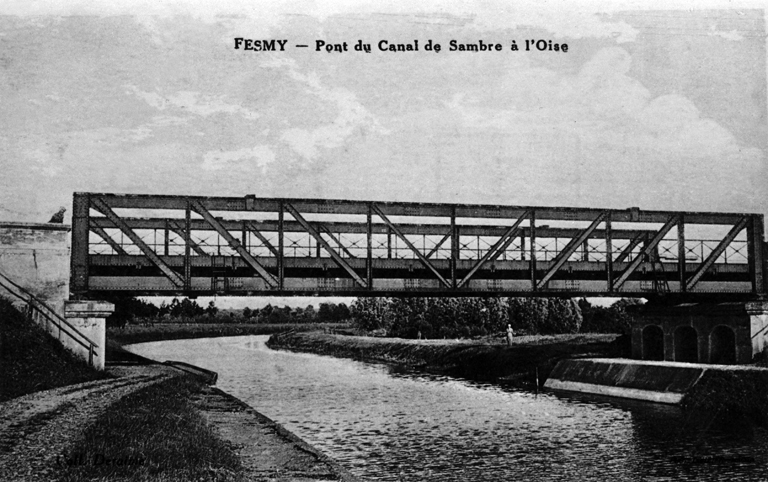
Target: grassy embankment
{"x": 489, "y": 360}
{"x": 159, "y": 420}
{"x": 179, "y": 331}
{"x": 153, "y": 434}
{"x": 31, "y": 360}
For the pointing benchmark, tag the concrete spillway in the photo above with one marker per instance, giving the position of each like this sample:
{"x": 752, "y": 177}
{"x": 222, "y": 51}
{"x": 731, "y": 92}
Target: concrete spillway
{"x": 663, "y": 382}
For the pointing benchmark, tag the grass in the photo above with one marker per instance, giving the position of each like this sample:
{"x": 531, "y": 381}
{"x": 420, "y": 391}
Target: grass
{"x": 158, "y": 435}
{"x": 177, "y": 331}
{"x": 31, "y": 360}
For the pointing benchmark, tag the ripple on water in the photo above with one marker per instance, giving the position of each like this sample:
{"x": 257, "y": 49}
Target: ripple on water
{"x": 393, "y": 425}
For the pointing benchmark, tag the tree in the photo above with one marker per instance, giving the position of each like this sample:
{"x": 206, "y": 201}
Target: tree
{"x": 613, "y": 319}
{"x": 545, "y": 316}
{"x": 370, "y": 313}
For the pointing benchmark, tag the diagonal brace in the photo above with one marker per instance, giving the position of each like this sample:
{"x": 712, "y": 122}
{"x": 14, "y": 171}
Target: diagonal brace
{"x": 569, "y": 249}
{"x": 106, "y": 237}
{"x": 647, "y": 250}
{"x": 175, "y": 226}
{"x": 737, "y": 228}
{"x": 315, "y": 234}
{"x": 504, "y": 241}
{"x": 336, "y": 240}
{"x": 252, "y": 228}
{"x": 104, "y": 209}
{"x": 628, "y": 250}
{"x": 410, "y": 245}
{"x": 234, "y": 243}
{"x": 437, "y": 246}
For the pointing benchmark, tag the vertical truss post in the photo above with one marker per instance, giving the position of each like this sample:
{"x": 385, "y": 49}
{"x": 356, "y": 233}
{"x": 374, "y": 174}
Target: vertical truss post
{"x": 755, "y": 255}
{"x": 454, "y": 246}
{"x": 609, "y": 252}
{"x": 533, "y": 250}
{"x": 187, "y": 246}
{"x": 80, "y": 228}
{"x": 369, "y": 252}
{"x": 166, "y": 233}
{"x": 585, "y": 251}
{"x": 522, "y": 245}
{"x": 389, "y": 243}
{"x": 681, "y": 253}
{"x": 244, "y": 237}
{"x": 280, "y": 246}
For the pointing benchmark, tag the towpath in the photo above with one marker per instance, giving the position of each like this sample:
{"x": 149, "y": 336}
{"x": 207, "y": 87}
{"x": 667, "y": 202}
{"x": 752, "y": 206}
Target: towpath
{"x": 37, "y": 429}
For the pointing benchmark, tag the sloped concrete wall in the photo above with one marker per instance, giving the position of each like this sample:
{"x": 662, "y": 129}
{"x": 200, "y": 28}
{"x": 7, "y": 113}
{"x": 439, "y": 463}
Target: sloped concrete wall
{"x": 653, "y": 381}
{"x": 36, "y": 256}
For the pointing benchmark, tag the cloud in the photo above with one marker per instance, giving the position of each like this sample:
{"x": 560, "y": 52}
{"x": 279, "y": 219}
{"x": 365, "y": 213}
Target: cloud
{"x": 583, "y": 20}
{"x": 601, "y": 104}
{"x": 352, "y": 115}
{"x": 192, "y": 102}
{"x": 259, "y": 156}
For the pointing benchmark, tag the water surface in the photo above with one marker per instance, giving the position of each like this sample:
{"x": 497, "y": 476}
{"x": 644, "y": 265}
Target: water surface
{"x": 386, "y": 424}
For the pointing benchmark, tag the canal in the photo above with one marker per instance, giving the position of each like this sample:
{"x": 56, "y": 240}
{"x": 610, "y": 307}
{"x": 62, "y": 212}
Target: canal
{"x": 384, "y": 423}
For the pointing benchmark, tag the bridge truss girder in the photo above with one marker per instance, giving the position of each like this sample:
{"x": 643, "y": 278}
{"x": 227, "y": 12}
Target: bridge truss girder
{"x": 258, "y": 246}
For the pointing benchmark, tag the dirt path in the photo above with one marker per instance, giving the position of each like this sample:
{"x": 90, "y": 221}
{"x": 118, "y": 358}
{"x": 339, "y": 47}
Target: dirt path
{"x": 268, "y": 452}
{"x": 36, "y": 429}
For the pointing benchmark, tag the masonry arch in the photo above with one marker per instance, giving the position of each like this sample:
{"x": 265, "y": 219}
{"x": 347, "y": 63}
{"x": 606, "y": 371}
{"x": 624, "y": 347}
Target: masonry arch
{"x": 686, "y": 344}
{"x": 722, "y": 345}
{"x": 653, "y": 343}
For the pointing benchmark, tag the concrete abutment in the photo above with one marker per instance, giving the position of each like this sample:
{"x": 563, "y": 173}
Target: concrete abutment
{"x": 35, "y": 258}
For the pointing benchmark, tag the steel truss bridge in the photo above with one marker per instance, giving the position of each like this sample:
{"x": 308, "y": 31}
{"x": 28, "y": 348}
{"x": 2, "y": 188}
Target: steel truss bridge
{"x": 190, "y": 245}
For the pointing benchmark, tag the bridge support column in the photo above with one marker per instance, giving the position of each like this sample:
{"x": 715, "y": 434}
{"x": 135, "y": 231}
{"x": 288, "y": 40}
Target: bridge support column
{"x": 725, "y": 333}
{"x": 89, "y": 318}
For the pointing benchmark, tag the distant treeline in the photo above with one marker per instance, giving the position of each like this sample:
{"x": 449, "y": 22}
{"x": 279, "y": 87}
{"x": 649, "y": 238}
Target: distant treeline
{"x": 137, "y": 311}
{"x": 473, "y": 317}
{"x": 405, "y": 317}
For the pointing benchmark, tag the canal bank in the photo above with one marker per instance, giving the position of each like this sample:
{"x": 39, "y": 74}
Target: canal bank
{"x": 264, "y": 449}
{"x": 593, "y": 364}
{"x": 529, "y": 359}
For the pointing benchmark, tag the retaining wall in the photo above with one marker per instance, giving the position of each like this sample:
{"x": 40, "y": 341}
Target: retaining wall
{"x": 663, "y": 382}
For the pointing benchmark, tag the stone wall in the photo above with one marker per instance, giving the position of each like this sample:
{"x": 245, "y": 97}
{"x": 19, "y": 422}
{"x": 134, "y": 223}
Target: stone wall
{"x": 36, "y": 256}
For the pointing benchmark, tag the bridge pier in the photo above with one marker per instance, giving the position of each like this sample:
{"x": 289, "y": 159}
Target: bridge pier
{"x": 90, "y": 319}
{"x": 725, "y": 333}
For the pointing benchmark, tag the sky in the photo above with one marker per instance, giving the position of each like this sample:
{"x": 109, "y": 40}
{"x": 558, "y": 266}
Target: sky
{"x": 660, "y": 106}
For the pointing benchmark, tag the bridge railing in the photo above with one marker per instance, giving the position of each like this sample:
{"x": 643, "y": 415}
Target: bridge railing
{"x": 469, "y": 248}
{"x": 39, "y": 311}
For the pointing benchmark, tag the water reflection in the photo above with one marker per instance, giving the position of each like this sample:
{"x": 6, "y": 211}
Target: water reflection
{"x": 394, "y": 424}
